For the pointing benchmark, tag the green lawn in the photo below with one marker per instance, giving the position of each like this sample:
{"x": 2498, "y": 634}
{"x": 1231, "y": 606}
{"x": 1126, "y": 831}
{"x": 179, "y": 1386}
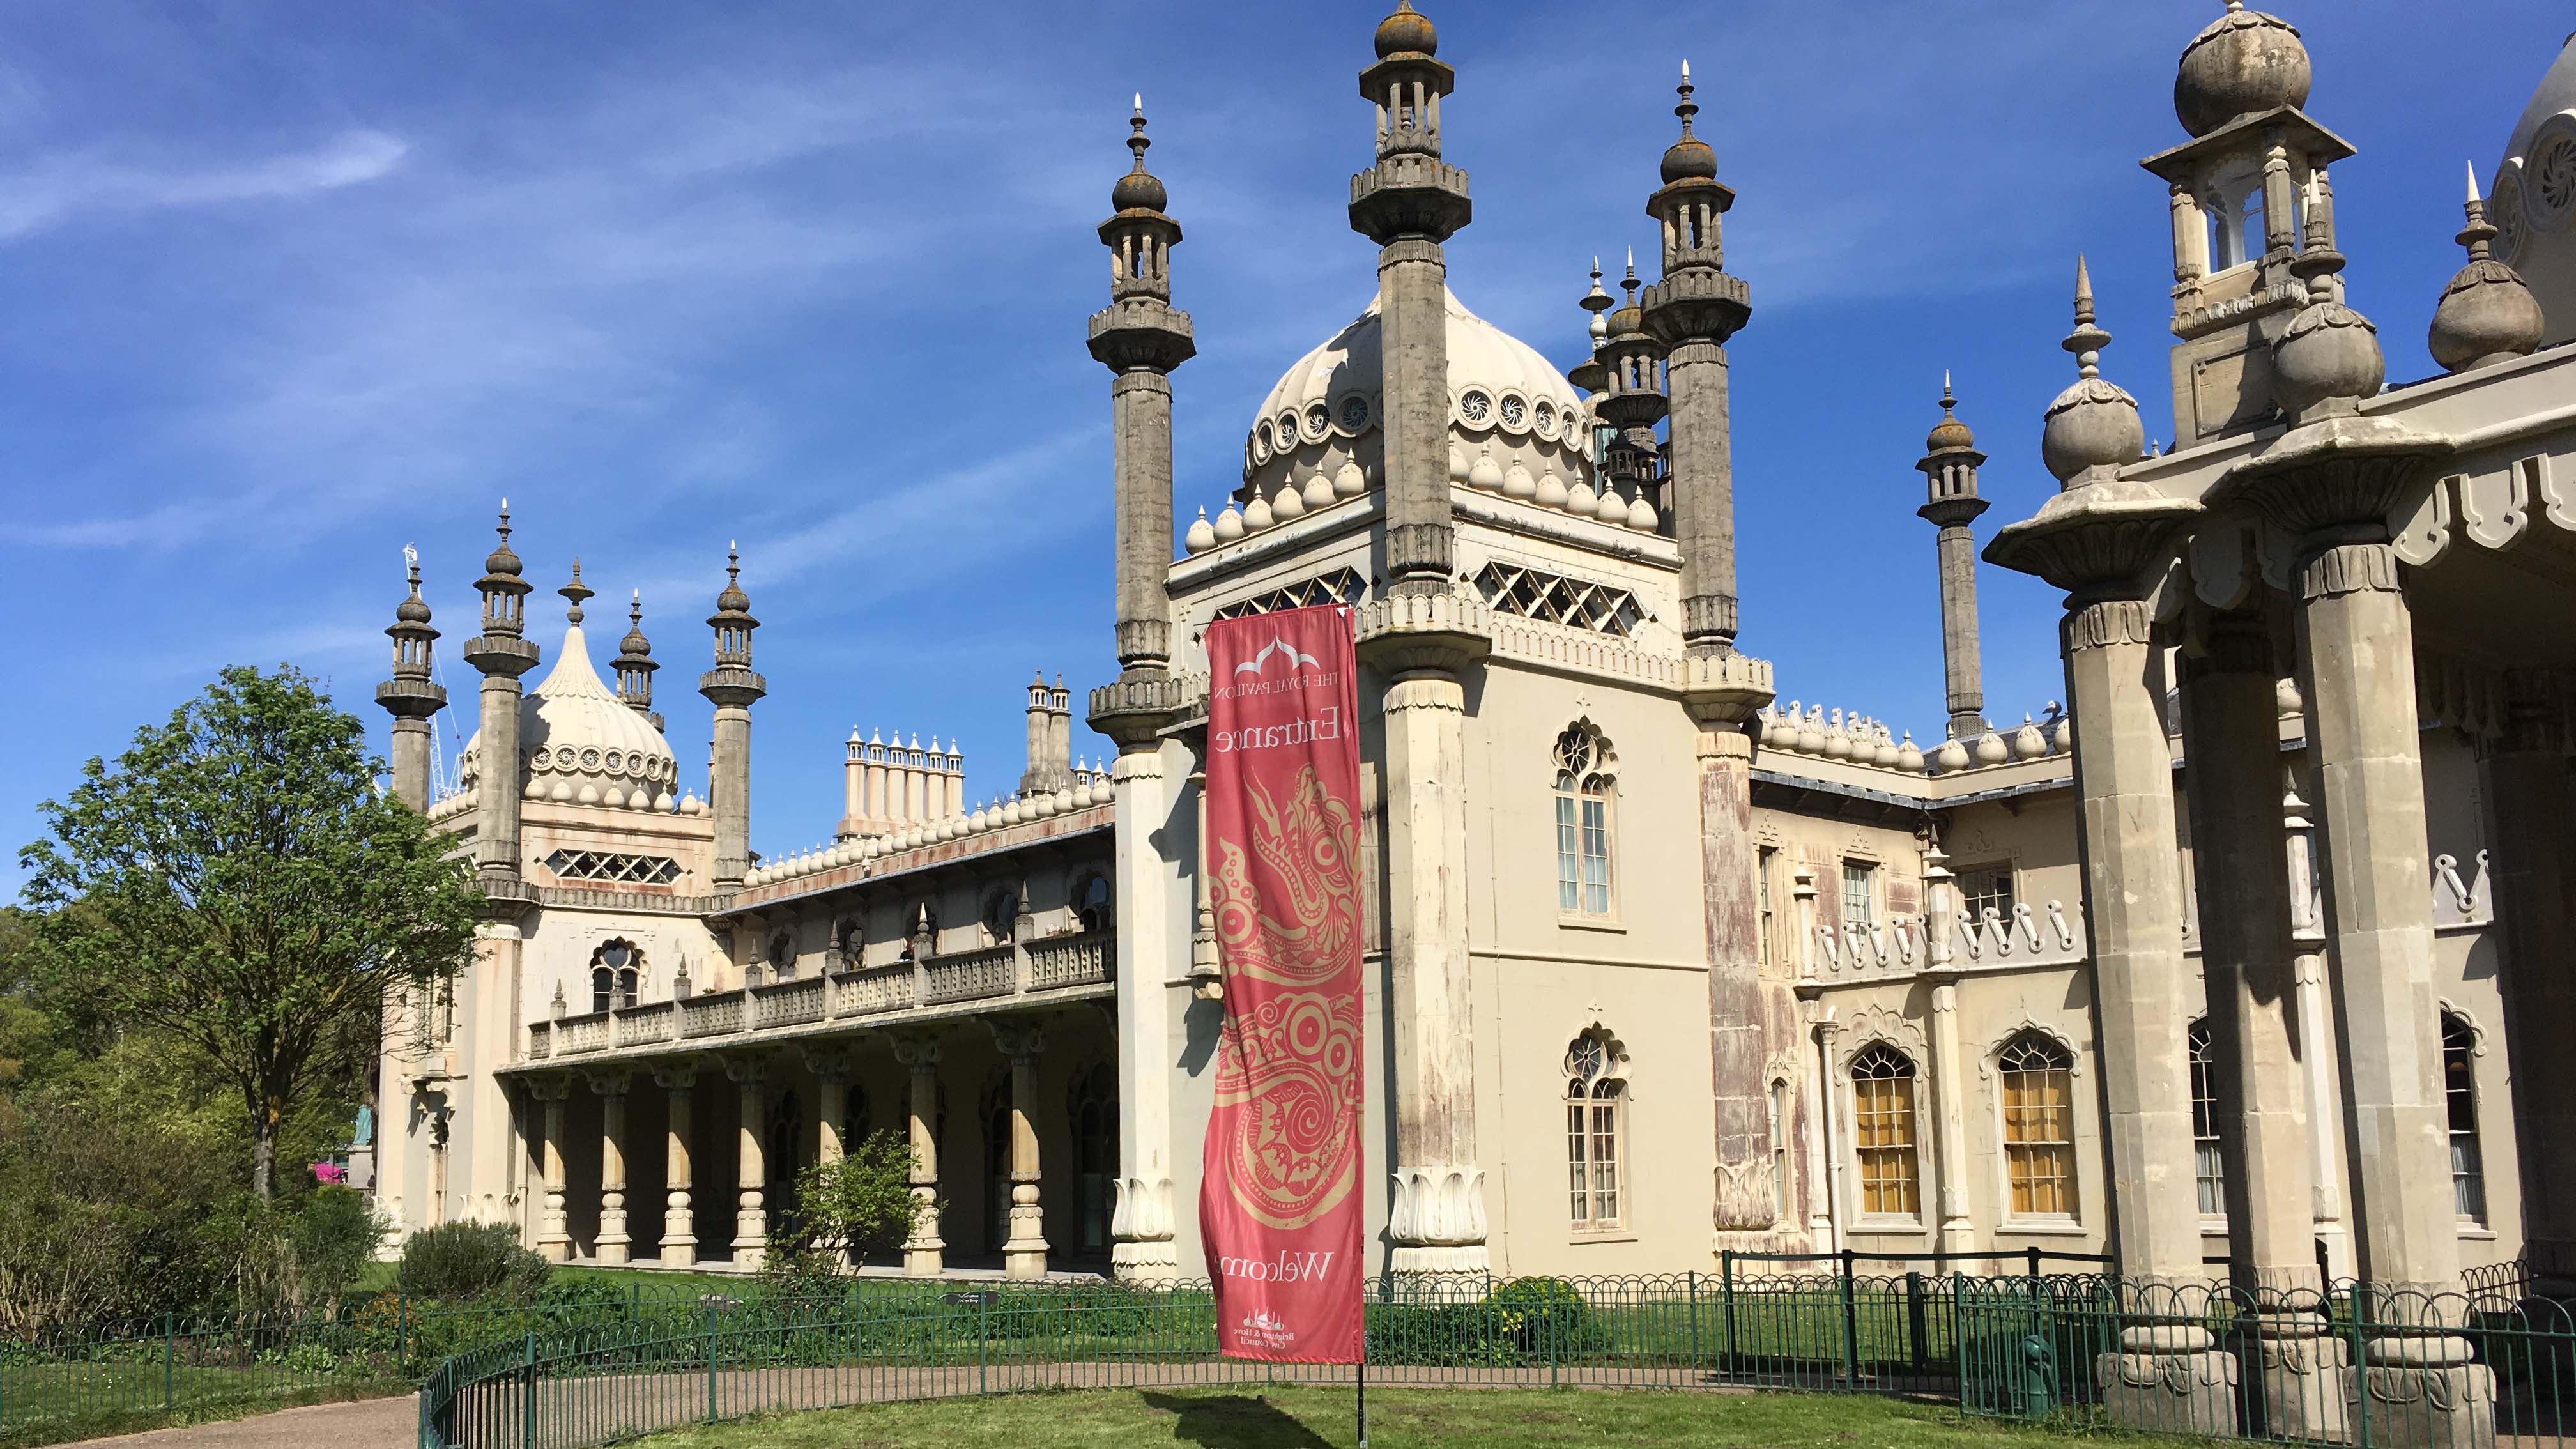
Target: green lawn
{"x": 1312, "y": 1418}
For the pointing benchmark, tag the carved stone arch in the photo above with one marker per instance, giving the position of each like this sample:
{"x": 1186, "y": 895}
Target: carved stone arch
{"x": 1584, "y": 751}
{"x": 2030, "y": 1025}
{"x": 1613, "y": 1056}
{"x": 1876, "y": 1025}
{"x": 2445, "y": 1006}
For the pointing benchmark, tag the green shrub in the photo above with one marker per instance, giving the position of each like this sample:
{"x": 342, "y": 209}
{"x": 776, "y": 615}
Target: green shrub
{"x": 843, "y": 1210}
{"x": 1547, "y": 1318}
{"x": 469, "y": 1260}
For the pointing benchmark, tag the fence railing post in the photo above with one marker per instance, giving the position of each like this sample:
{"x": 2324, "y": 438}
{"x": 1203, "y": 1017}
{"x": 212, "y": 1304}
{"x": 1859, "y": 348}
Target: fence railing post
{"x": 528, "y": 1403}
{"x": 1694, "y": 1318}
{"x": 1914, "y": 1318}
{"x": 1851, "y": 1321}
{"x": 169, "y": 1356}
{"x": 707, "y": 1314}
{"x": 1959, "y": 1337}
{"x": 2361, "y": 1363}
{"x": 1726, "y": 1267}
{"x": 983, "y": 1333}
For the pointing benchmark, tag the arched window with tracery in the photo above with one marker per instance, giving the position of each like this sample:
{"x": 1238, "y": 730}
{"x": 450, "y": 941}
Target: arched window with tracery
{"x": 782, "y": 955}
{"x": 1883, "y": 1132}
{"x": 1596, "y": 1112}
{"x": 613, "y": 976}
{"x": 1092, "y": 903}
{"x": 2039, "y": 1125}
{"x": 1001, "y": 917}
{"x": 1586, "y": 795}
{"x": 2208, "y": 1163}
{"x": 2460, "y": 1100}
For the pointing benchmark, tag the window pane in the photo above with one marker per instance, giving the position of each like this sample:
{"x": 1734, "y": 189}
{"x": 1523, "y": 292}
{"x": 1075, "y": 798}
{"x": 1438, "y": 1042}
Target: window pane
{"x": 1986, "y": 888}
{"x": 1858, "y": 908}
{"x": 2039, "y": 1126}
{"x": 1883, "y": 1131}
{"x": 1596, "y": 857}
{"x": 2210, "y": 1164}
{"x": 1577, "y": 1170}
{"x": 2460, "y": 1097}
{"x": 1568, "y": 856}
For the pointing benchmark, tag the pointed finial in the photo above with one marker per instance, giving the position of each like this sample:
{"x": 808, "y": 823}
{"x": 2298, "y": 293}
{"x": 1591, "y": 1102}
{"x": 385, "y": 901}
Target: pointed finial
{"x": 2479, "y": 231}
{"x": 1688, "y": 107}
{"x": 2087, "y": 340}
{"x": 505, "y": 520}
{"x": 411, "y": 567}
{"x": 575, "y": 591}
{"x": 1947, "y": 400}
{"x": 1136, "y": 138}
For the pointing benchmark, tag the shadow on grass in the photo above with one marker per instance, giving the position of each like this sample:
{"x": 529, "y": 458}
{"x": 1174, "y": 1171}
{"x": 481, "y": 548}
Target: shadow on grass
{"x": 1235, "y": 1421}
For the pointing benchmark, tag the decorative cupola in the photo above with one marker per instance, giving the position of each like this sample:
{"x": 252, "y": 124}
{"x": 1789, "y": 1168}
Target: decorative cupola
{"x": 504, "y": 592}
{"x": 411, "y": 696}
{"x": 2328, "y": 359}
{"x": 1632, "y": 401}
{"x": 2486, "y": 314}
{"x": 733, "y": 689}
{"x": 1140, "y": 337}
{"x": 635, "y": 664}
{"x": 493, "y": 763}
{"x": 1949, "y": 467}
{"x": 2236, "y": 191}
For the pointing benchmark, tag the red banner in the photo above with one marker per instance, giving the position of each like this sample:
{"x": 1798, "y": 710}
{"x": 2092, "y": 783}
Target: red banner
{"x": 1280, "y": 1199}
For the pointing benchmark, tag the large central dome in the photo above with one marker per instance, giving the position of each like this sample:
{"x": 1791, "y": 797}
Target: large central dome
{"x": 581, "y": 743}
{"x": 1507, "y": 404}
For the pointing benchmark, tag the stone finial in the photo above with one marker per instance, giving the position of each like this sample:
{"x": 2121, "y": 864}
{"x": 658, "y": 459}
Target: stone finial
{"x": 2329, "y": 356}
{"x": 2093, "y": 424}
{"x": 2486, "y": 314}
{"x": 576, "y": 591}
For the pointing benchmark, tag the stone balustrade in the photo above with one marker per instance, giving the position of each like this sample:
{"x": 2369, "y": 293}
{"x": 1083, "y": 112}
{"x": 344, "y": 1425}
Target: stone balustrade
{"x": 1071, "y": 962}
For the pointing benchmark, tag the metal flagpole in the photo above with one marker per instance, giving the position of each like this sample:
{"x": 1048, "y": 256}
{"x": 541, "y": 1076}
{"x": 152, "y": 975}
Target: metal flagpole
{"x": 1363, "y": 1377}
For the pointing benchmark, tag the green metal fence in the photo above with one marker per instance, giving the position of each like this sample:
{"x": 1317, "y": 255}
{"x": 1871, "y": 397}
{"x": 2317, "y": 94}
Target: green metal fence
{"x": 2343, "y": 1364}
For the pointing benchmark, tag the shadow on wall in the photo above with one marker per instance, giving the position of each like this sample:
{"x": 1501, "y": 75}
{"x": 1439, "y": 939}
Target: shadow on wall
{"x": 1235, "y": 1421}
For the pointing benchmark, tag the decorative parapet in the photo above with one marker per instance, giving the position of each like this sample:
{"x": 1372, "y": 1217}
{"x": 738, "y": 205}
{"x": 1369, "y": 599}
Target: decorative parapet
{"x": 1853, "y": 738}
{"x": 1559, "y": 647}
{"x": 1080, "y": 958}
{"x": 852, "y": 860}
{"x": 2051, "y": 935}
{"x": 1444, "y": 631}
{"x": 968, "y": 975}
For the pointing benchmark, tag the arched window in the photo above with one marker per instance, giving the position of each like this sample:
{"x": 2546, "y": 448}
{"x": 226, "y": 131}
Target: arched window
{"x": 1596, "y": 1109}
{"x": 782, "y": 955}
{"x": 1095, "y": 1152}
{"x": 2460, "y": 1096}
{"x": 1001, "y": 916}
{"x": 1883, "y": 1131}
{"x": 2039, "y": 1125}
{"x": 2207, "y": 1161}
{"x": 1091, "y": 902}
{"x": 612, "y": 976}
{"x": 1586, "y": 790}
{"x": 850, "y": 938}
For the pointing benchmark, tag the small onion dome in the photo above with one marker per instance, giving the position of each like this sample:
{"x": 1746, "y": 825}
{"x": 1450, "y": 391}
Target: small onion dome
{"x": 2090, "y": 424}
{"x": 635, "y": 645}
{"x": 1689, "y": 159}
{"x": 501, "y": 560}
{"x": 1949, "y": 435}
{"x": 2328, "y": 351}
{"x": 1139, "y": 190}
{"x": 733, "y": 600}
{"x": 1406, "y": 30}
{"x": 2245, "y": 62}
{"x": 1202, "y": 535}
{"x": 2487, "y": 313}
{"x": 412, "y": 610}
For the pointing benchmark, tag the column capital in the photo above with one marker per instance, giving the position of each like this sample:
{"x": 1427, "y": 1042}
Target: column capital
{"x": 748, "y": 1069}
{"x": 830, "y": 1063}
{"x": 549, "y": 1088}
{"x": 1440, "y": 632}
{"x": 676, "y": 1076}
{"x": 2334, "y": 479}
{"x": 2106, "y": 623}
{"x": 610, "y": 1081}
{"x": 1018, "y": 1038}
{"x": 2096, "y": 539}
{"x": 917, "y": 1050}
{"x": 2350, "y": 568}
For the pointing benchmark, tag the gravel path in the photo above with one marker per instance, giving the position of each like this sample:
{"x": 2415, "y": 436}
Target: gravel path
{"x": 364, "y": 1424}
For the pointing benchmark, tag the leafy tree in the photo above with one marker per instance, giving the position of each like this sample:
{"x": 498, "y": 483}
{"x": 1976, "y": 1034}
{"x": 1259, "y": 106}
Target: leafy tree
{"x": 236, "y": 882}
{"x": 845, "y": 1209}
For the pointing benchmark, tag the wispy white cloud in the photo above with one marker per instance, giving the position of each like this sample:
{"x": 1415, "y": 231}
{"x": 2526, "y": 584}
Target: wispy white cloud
{"x": 55, "y": 190}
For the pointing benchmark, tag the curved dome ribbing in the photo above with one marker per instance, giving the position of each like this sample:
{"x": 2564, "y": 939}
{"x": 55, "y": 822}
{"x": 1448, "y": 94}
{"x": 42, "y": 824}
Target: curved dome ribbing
{"x": 575, "y": 733}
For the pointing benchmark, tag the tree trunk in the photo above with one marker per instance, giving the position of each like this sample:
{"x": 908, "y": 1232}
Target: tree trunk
{"x": 263, "y": 1153}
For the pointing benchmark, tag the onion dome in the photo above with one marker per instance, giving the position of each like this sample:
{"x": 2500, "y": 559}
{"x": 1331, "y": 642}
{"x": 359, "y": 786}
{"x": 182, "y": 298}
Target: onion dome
{"x": 733, "y": 600}
{"x": 1688, "y": 159}
{"x": 1949, "y": 435}
{"x": 1406, "y": 31}
{"x": 576, "y": 734}
{"x": 2486, "y": 313}
{"x": 2094, "y": 423}
{"x": 501, "y": 561}
{"x": 413, "y": 609}
{"x": 1139, "y": 189}
{"x": 635, "y": 645}
{"x": 2245, "y": 62}
{"x": 1202, "y": 534}
{"x": 1629, "y": 317}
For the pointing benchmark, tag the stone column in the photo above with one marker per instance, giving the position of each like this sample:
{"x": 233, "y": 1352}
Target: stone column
{"x": 614, "y": 1240}
{"x": 1749, "y": 1017}
{"x": 2315, "y": 1019}
{"x": 750, "y": 1074}
{"x": 679, "y": 1222}
{"x": 1024, "y": 1255}
{"x": 923, "y": 1252}
{"x": 2231, "y": 753}
{"x": 1949, "y": 1058}
{"x": 554, "y": 1238}
{"x": 1962, "y": 668}
{"x": 1143, "y": 1225}
{"x": 1833, "y": 1182}
{"x": 2523, "y": 779}
{"x": 831, "y": 1069}
{"x": 1413, "y": 325}
{"x": 1424, "y": 642}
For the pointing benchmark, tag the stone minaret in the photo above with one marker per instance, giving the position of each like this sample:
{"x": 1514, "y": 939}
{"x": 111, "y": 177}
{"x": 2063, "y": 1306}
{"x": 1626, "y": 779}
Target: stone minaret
{"x": 732, "y": 688}
{"x": 1409, "y": 203}
{"x": 1949, "y": 469}
{"x": 635, "y": 664}
{"x": 1631, "y": 399}
{"x": 502, "y": 653}
{"x": 1140, "y": 337}
{"x": 411, "y": 696}
{"x": 1695, "y": 309}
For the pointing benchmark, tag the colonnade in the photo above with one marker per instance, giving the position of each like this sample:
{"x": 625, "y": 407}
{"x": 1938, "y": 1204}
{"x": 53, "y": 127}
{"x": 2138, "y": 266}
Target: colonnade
{"x": 762, "y": 1081}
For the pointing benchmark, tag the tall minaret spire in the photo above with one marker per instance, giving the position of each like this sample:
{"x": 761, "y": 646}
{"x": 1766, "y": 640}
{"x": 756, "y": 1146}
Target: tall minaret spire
{"x": 733, "y": 689}
{"x": 1695, "y": 308}
{"x": 1632, "y": 400}
{"x": 503, "y": 653}
{"x": 1409, "y": 203}
{"x": 635, "y": 664}
{"x": 411, "y": 696}
{"x": 1140, "y": 337}
{"x": 1949, "y": 468}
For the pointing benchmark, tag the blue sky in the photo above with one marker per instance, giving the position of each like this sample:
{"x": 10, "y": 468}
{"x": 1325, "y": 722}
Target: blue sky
{"x": 288, "y": 287}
